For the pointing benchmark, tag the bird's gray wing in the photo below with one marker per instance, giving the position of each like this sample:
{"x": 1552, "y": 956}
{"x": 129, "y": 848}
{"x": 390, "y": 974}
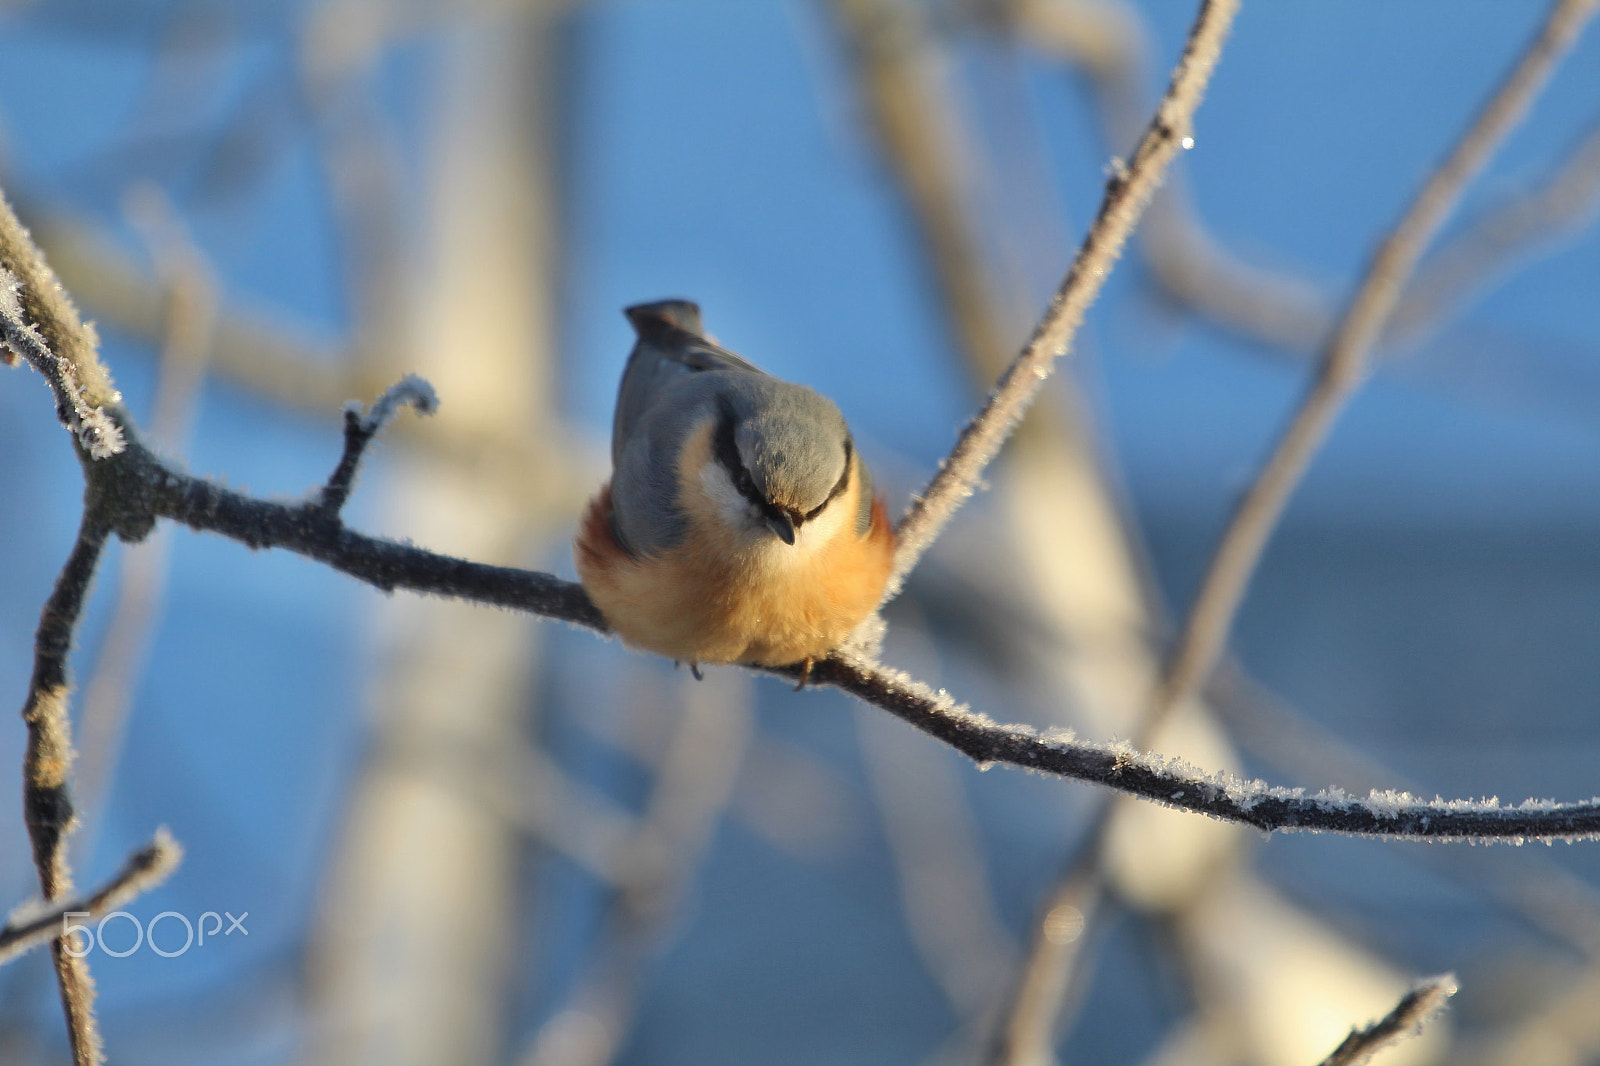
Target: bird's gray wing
{"x": 671, "y": 345}
{"x": 645, "y": 515}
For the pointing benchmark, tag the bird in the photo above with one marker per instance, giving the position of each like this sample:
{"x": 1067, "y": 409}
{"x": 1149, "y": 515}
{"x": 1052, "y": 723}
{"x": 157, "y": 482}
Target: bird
{"x": 739, "y": 524}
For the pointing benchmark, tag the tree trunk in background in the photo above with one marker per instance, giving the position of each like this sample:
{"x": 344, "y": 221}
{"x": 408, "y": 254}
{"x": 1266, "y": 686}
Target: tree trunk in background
{"x": 413, "y": 955}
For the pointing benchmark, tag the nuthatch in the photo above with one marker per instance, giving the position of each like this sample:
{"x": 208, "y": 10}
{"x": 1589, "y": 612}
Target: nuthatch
{"x": 739, "y": 524}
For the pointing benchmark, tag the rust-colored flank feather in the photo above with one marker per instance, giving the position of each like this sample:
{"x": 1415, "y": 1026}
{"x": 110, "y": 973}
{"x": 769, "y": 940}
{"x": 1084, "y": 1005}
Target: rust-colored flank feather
{"x": 721, "y": 597}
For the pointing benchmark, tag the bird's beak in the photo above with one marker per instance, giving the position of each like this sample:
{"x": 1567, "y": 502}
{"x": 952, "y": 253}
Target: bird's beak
{"x": 782, "y": 526}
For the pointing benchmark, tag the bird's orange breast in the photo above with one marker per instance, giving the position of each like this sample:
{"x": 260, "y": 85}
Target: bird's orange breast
{"x": 719, "y": 597}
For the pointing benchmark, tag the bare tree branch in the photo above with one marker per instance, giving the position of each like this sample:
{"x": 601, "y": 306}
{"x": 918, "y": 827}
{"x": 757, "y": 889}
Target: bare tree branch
{"x": 145, "y": 869}
{"x": 30, "y": 300}
{"x": 360, "y": 428}
{"x": 1407, "y": 1019}
{"x": 1126, "y": 195}
{"x": 1107, "y": 42}
{"x": 143, "y": 488}
{"x": 151, "y": 488}
{"x": 46, "y": 765}
{"x": 39, "y": 322}
{"x": 1344, "y": 361}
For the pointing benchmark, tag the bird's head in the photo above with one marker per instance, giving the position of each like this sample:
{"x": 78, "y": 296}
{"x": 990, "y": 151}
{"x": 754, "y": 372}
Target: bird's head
{"x": 786, "y": 452}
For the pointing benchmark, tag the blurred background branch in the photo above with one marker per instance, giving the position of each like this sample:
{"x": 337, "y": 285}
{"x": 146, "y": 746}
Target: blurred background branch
{"x": 1407, "y": 1019}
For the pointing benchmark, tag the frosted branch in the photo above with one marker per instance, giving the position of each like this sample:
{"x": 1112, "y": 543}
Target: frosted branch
{"x": 97, "y": 433}
{"x": 1173, "y": 783}
{"x": 148, "y": 488}
{"x": 359, "y": 429}
{"x": 39, "y": 323}
{"x": 1127, "y": 193}
{"x": 1109, "y": 45}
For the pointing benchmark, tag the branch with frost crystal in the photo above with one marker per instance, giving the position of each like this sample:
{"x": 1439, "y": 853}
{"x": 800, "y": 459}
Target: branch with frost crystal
{"x": 137, "y": 488}
{"x": 1174, "y": 783}
{"x": 1127, "y": 193}
{"x": 359, "y": 429}
{"x": 95, "y": 430}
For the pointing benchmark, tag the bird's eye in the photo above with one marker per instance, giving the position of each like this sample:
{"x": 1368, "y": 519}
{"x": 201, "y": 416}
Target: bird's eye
{"x": 727, "y": 454}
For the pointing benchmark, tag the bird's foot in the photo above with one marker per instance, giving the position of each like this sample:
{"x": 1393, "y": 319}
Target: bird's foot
{"x": 805, "y": 672}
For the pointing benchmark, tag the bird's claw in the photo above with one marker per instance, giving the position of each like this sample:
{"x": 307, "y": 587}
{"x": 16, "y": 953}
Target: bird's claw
{"x": 805, "y": 672}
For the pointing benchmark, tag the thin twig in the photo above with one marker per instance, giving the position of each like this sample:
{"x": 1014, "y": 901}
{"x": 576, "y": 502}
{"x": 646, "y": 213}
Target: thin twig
{"x": 1344, "y": 361}
{"x": 1413, "y": 1011}
{"x": 359, "y": 429}
{"x": 1127, "y": 192}
{"x": 145, "y": 869}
